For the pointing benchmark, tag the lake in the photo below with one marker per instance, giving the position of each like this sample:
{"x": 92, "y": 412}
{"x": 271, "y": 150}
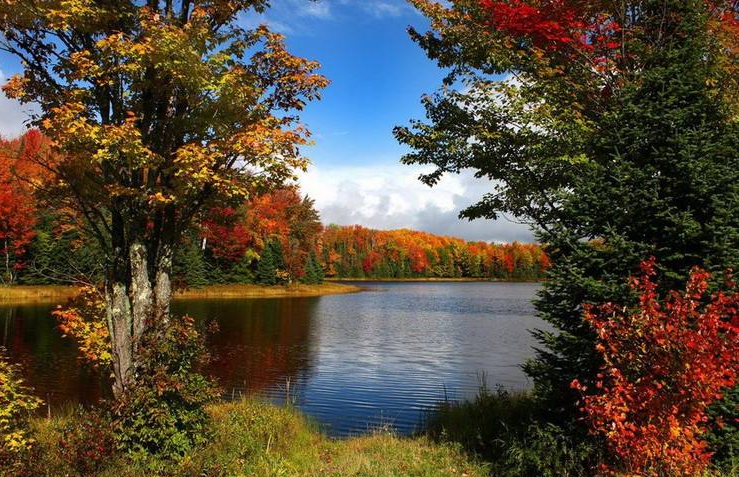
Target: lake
{"x": 353, "y": 362}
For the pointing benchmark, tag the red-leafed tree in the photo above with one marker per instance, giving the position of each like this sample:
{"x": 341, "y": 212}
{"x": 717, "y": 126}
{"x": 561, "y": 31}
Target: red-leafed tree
{"x": 293, "y": 220}
{"x": 19, "y": 175}
{"x": 665, "y": 363}
{"x": 226, "y": 234}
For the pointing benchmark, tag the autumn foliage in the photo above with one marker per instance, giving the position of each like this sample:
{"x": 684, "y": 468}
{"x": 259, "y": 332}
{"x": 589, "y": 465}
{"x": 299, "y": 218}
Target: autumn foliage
{"x": 355, "y": 251}
{"x": 608, "y": 36}
{"x": 18, "y": 210}
{"x": 666, "y": 361}
{"x": 83, "y": 319}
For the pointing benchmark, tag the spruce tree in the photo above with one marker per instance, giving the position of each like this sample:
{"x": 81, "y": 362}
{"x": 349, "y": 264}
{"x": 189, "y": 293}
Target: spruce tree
{"x": 267, "y": 270}
{"x": 277, "y": 253}
{"x": 309, "y": 276}
{"x": 319, "y": 275}
{"x": 189, "y": 264}
{"x": 663, "y": 182}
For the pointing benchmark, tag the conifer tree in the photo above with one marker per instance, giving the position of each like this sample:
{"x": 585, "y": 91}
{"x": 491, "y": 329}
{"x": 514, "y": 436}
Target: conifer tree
{"x": 663, "y": 183}
{"x": 267, "y": 270}
{"x": 616, "y": 138}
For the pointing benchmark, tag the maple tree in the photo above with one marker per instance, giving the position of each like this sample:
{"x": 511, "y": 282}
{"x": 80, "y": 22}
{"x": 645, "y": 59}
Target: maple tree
{"x": 157, "y": 109}
{"x": 18, "y": 208}
{"x": 665, "y": 362}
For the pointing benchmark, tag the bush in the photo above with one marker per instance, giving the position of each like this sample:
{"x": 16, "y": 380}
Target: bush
{"x": 16, "y": 405}
{"x": 86, "y": 442}
{"x": 163, "y": 414}
{"x": 503, "y": 429}
{"x": 484, "y": 425}
{"x": 547, "y": 450}
{"x": 665, "y": 362}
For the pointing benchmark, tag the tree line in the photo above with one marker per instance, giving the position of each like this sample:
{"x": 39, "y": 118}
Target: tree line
{"x": 275, "y": 237}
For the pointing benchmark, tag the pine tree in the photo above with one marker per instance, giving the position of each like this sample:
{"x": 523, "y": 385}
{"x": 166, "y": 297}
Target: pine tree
{"x": 319, "y": 275}
{"x": 277, "y": 253}
{"x": 189, "y": 264}
{"x": 309, "y": 275}
{"x": 267, "y": 270}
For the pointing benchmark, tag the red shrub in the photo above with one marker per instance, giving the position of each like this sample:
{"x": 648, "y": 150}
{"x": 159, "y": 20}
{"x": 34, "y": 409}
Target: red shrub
{"x": 665, "y": 363}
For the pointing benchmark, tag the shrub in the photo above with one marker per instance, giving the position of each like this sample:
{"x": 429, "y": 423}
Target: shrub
{"x": 665, "y": 363}
{"x": 163, "y": 413}
{"x": 503, "y": 428}
{"x": 16, "y": 405}
{"x": 484, "y": 425}
{"x": 547, "y": 450}
{"x": 86, "y": 442}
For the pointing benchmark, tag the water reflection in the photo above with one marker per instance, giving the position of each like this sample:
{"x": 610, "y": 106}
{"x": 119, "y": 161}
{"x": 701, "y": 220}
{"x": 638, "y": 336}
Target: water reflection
{"x": 260, "y": 344}
{"x": 353, "y": 362}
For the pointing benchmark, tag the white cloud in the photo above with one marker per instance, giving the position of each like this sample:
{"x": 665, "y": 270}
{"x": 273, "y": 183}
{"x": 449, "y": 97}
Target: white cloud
{"x": 318, "y": 9}
{"x": 13, "y": 115}
{"x": 391, "y": 196}
{"x": 383, "y": 9}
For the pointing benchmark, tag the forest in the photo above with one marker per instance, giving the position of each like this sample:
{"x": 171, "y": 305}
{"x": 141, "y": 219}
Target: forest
{"x": 275, "y": 237}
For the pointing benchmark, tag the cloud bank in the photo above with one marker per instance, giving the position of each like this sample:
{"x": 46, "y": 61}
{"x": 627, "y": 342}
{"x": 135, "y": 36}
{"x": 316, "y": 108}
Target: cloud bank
{"x": 390, "y": 196}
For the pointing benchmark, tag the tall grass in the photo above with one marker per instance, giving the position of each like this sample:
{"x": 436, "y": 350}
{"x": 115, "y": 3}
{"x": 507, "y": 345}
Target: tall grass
{"x": 254, "y": 438}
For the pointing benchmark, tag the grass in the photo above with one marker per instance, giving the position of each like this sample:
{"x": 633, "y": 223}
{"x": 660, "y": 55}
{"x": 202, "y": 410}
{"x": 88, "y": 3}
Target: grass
{"x": 506, "y": 431}
{"x": 253, "y": 438}
{"x": 484, "y": 425}
{"x": 19, "y": 294}
{"x": 34, "y": 294}
{"x": 259, "y": 291}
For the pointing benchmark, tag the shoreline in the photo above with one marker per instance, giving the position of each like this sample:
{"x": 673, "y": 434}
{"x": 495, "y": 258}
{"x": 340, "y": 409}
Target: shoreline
{"x": 432, "y": 280}
{"x": 263, "y": 291}
{"x": 32, "y": 294}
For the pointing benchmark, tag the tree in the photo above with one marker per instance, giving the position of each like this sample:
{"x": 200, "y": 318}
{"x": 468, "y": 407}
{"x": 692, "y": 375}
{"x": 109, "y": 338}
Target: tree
{"x": 18, "y": 213}
{"x": 662, "y": 183}
{"x": 293, "y": 220}
{"x": 314, "y": 274}
{"x": 157, "y": 109}
{"x": 664, "y": 363}
{"x": 189, "y": 265}
{"x": 267, "y": 269}
{"x": 614, "y": 136}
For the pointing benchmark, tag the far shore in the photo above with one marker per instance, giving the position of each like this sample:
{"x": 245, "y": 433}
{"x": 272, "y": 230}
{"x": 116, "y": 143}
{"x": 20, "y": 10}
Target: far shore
{"x": 433, "y": 279}
{"x": 23, "y": 294}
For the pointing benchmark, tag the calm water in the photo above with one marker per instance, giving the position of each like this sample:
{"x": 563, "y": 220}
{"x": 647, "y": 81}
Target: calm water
{"x": 354, "y": 362}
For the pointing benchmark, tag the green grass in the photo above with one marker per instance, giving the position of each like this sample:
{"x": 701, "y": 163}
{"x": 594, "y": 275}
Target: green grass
{"x": 252, "y": 438}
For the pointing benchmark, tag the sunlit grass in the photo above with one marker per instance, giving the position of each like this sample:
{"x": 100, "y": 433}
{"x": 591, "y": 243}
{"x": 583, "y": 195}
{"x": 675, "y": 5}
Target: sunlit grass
{"x": 32, "y": 294}
{"x": 253, "y": 438}
{"x": 19, "y": 294}
{"x": 259, "y": 291}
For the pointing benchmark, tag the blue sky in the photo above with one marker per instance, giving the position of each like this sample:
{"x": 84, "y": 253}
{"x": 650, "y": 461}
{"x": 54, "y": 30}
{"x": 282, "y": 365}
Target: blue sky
{"x": 378, "y": 76}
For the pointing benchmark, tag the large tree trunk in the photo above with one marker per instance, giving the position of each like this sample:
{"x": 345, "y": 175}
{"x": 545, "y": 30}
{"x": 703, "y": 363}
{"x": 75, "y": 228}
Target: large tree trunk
{"x": 137, "y": 292}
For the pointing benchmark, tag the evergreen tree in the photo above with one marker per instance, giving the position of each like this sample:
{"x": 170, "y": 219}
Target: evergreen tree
{"x": 278, "y": 255}
{"x": 267, "y": 269}
{"x": 309, "y": 275}
{"x": 189, "y": 264}
{"x": 319, "y": 273}
{"x": 314, "y": 274}
{"x": 663, "y": 182}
